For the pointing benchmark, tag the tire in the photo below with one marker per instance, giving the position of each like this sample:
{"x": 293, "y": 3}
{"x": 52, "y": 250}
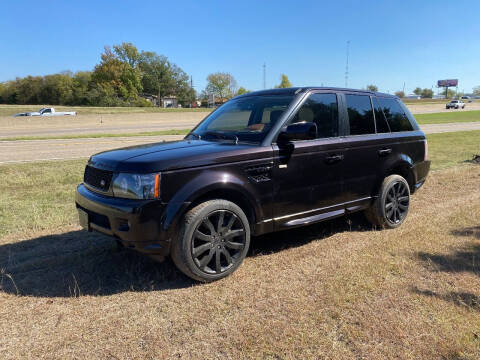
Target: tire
{"x": 394, "y": 194}
{"x": 213, "y": 240}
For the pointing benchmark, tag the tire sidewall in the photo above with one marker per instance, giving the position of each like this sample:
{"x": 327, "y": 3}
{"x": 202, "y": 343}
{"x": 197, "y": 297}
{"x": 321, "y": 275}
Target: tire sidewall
{"x": 190, "y": 227}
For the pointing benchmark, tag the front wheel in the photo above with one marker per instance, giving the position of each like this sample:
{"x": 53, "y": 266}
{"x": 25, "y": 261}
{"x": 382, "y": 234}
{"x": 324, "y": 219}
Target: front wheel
{"x": 213, "y": 241}
{"x": 391, "y": 206}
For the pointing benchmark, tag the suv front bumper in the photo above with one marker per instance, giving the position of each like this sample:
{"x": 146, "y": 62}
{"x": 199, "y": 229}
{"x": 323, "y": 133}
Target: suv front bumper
{"x": 137, "y": 224}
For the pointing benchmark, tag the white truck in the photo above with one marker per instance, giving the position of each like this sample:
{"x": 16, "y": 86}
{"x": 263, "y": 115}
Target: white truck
{"x": 47, "y": 112}
{"x": 455, "y": 104}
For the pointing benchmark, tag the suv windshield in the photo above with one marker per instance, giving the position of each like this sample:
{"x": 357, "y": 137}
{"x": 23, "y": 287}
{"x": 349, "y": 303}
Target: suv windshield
{"x": 244, "y": 119}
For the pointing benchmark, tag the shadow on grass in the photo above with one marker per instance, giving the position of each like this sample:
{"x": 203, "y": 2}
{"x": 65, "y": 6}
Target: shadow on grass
{"x": 464, "y": 260}
{"x": 464, "y": 299}
{"x": 79, "y": 263}
{"x": 278, "y": 241}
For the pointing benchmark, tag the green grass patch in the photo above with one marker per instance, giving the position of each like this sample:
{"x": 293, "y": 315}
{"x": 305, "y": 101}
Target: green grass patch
{"x": 89, "y": 136}
{"x": 454, "y": 148}
{"x": 38, "y": 196}
{"x": 448, "y": 117}
{"x": 9, "y": 110}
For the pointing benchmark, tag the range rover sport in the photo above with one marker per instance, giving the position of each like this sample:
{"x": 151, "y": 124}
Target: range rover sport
{"x": 262, "y": 162}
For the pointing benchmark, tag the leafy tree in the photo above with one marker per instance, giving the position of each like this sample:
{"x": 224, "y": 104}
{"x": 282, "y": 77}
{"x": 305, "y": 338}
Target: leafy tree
{"x": 128, "y": 53}
{"x": 28, "y": 90}
{"x": 80, "y": 87}
{"x": 427, "y": 93}
{"x": 122, "y": 74}
{"x": 372, "y": 87}
{"x": 400, "y": 94}
{"x": 417, "y": 91}
{"x": 222, "y": 84}
{"x": 156, "y": 75}
{"x": 161, "y": 77}
{"x": 284, "y": 82}
{"x": 116, "y": 81}
{"x": 241, "y": 90}
{"x": 476, "y": 90}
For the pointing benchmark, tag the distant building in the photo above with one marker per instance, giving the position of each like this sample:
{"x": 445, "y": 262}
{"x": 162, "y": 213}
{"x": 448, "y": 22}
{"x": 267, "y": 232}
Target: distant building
{"x": 169, "y": 101}
{"x": 412, "y": 96}
{"x": 150, "y": 98}
{"x": 165, "y": 102}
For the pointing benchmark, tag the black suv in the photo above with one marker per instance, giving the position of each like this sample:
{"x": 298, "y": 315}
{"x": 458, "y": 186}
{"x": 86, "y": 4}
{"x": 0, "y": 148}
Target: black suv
{"x": 263, "y": 162}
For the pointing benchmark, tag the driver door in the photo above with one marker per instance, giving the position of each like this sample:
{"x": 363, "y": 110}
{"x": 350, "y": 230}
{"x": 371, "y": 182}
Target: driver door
{"x": 307, "y": 173}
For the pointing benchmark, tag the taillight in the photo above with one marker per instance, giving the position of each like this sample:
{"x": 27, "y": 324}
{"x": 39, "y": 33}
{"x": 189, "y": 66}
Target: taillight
{"x": 426, "y": 150}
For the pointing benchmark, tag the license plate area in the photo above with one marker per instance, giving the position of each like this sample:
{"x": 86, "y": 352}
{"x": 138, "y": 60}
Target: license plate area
{"x": 83, "y": 219}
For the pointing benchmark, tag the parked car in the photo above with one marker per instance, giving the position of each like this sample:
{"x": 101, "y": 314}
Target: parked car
{"x": 262, "y": 162}
{"x": 47, "y": 112}
{"x": 455, "y": 104}
{"x": 465, "y": 97}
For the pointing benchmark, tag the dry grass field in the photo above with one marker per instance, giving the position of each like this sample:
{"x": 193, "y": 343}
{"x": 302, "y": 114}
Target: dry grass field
{"x": 336, "y": 290}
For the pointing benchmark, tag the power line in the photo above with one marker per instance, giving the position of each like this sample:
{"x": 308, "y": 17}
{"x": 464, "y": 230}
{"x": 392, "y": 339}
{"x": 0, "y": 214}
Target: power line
{"x": 346, "y": 66}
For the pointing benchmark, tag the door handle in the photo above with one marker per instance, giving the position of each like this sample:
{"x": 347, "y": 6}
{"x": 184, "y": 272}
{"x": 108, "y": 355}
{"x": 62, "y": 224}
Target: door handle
{"x": 384, "y": 152}
{"x": 334, "y": 158}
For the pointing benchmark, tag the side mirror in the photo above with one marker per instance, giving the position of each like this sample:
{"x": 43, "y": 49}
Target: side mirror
{"x": 298, "y": 131}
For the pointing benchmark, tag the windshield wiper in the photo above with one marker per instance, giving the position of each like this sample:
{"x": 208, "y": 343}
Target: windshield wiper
{"x": 220, "y": 135}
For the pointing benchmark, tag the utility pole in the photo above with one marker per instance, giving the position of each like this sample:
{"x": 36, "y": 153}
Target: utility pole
{"x": 264, "y": 75}
{"x": 191, "y": 86}
{"x": 403, "y": 88}
{"x": 346, "y": 66}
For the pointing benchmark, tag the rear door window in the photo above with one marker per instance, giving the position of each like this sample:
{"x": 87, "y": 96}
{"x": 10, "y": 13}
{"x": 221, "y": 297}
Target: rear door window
{"x": 360, "y": 114}
{"x": 396, "y": 118}
{"x": 380, "y": 120}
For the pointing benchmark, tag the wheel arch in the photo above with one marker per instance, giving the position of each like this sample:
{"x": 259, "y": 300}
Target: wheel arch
{"x": 403, "y": 166}
{"x": 198, "y": 190}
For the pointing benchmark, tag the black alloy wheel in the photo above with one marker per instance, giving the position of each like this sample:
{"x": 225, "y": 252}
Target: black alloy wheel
{"x": 218, "y": 242}
{"x": 390, "y": 208}
{"x": 397, "y": 202}
{"x": 212, "y": 241}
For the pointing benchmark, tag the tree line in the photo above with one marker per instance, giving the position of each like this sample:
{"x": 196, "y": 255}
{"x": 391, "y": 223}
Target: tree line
{"x": 122, "y": 76}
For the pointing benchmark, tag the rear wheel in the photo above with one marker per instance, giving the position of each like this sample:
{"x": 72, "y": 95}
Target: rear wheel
{"x": 213, "y": 241}
{"x": 390, "y": 208}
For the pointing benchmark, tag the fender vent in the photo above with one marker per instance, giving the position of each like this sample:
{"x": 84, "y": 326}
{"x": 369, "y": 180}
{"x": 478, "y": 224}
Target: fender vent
{"x": 259, "y": 173}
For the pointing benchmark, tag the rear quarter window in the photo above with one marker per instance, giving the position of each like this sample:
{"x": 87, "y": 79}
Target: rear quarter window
{"x": 395, "y": 115}
{"x": 360, "y": 114}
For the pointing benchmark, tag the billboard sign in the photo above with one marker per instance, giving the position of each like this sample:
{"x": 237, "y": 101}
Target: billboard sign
{"x": 447, "y": 83}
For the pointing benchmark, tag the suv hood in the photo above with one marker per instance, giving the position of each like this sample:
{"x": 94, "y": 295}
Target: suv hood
{"x": 174, "y": 155}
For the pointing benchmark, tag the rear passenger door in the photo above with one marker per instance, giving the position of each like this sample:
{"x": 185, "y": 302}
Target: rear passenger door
{"x": 365, "y": 151}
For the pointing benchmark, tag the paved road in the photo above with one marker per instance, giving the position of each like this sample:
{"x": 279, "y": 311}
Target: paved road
{"x": 37, "y": 150}
{"x": 97, "y": 124}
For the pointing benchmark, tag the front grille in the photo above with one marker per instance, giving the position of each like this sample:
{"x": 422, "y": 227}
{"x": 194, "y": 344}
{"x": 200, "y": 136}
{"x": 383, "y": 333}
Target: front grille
{"x": 97, "y": 178}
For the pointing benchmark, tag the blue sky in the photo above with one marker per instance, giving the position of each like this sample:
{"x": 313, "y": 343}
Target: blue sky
{"x": 391, "y": 42}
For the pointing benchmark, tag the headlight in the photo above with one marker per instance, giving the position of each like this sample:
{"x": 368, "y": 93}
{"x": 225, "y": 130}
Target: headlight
{"x": 136, "y": 186}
